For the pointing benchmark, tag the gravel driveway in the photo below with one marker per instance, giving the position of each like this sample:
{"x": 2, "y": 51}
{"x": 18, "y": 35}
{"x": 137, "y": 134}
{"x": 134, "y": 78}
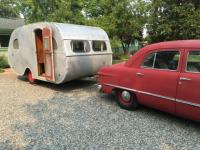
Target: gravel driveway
{"x": 75, "y": 116}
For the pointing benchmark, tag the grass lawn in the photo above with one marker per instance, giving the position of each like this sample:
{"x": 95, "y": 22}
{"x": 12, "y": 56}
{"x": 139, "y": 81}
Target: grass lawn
{"x": 121, "y": 58}
{"x": 1, "y": 70}
{"x": 118, "y": 61}
{"x": 3, "y": 49}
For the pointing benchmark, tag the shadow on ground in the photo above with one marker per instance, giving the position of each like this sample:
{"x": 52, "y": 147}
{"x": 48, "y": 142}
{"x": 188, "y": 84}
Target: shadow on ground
{"x": 68, "y": 86}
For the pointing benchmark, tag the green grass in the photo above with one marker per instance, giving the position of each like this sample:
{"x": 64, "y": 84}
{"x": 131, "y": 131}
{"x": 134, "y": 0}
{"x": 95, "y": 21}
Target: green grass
{"x": 117, "y": 61}
{"x": 1, "y": 70}
{"x": 3, "y": 49}
{"x": 124, "y": 57}
{"x": 3, "y": 52}
{"x": 120, "y": 58}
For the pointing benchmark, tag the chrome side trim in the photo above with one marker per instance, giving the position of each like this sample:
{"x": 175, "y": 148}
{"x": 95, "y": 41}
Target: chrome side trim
{"x": 156, "y": 95}
{"x": 121, "y": 87}
{"x": 188, "y": 103}
{"x": 159, "y": 96}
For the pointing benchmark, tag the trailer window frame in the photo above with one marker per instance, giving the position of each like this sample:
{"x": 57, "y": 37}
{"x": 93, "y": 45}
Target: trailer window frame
{"x": 54, "y": 43}
{"x": 102, "y": 48}
{"x": 85, "y": 47}
{"x": 16, "y": 43}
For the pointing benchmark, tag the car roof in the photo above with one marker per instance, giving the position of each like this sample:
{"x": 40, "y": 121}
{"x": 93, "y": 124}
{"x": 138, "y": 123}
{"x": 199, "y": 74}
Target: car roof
{"x": 176, "y": 45}
{"x": 192, "y": 44}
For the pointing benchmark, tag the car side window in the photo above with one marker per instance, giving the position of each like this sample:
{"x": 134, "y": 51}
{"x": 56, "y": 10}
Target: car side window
{"x": 193, "y": 61}
{"x": 149, "y": 61}
{"x": 167, "y": 60}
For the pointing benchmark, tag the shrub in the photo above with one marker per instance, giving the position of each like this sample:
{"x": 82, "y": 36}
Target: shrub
{"x": 3, "y": 62}
{"x": 116, "y": 56}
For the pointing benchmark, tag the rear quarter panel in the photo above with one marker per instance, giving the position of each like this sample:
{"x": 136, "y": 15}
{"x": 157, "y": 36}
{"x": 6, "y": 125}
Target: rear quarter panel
{"x": 117, "y": 77}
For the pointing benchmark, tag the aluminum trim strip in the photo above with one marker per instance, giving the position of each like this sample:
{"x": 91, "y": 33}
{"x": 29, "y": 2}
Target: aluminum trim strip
{"x": 157, "y": 95}
{"x": 188, "y": 103}
{"x": 122, "y": 87}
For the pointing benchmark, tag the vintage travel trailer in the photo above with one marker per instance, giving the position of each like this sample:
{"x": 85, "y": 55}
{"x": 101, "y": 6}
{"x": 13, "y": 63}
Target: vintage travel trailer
{"x": 57, "y": 52}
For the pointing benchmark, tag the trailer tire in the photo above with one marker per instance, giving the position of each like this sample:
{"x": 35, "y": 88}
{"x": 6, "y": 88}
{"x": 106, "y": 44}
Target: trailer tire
{"x": 30, "y": 77}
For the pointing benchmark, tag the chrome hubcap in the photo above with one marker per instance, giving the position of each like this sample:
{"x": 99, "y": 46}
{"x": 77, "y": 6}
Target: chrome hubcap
{"x": 126, "y": 96}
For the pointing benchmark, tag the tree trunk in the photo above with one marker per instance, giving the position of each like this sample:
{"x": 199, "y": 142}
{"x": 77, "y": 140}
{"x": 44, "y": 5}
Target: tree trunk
{"x": 124, "y": 49}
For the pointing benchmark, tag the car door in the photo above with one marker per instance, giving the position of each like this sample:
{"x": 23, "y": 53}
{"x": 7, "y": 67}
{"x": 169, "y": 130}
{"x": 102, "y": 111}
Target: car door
{"x": 188, "y": 95}
{"x": 157, "y": 79}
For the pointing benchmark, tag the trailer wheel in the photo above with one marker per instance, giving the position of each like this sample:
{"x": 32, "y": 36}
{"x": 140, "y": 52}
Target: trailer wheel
{"x": 127, "y": 100}
{"x": 30, "y": 77}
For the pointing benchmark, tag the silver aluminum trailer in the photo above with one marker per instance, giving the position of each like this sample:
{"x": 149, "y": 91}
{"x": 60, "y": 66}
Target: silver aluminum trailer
{"x": 57, "y": 52}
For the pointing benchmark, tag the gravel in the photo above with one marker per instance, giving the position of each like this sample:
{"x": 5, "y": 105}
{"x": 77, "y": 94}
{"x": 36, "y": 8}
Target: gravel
{"x": 75, "y": 116}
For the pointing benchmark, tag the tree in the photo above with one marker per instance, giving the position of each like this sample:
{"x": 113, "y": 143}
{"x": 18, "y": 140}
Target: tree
{"x": 174, "y": 20}
{"x": 122, "y": 19}
{"x": 52, "y": 10}
{"x": 9, "y": 9}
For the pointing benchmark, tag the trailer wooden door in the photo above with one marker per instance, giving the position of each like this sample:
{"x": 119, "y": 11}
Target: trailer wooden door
{"x": 48, "y": 54}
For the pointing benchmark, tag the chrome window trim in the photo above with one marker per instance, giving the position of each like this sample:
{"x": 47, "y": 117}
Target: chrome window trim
{"x": 161, "y": 69}
{"x": 146, "y": 67}
{"x": 154, "y": 60}
{"x": 156, "y": 95}
{"x": 143, "y": 67}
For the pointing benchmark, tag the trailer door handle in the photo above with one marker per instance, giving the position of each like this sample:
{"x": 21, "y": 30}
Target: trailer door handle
{"x": 185, "y": 79}
{"x": 139, "y": 74}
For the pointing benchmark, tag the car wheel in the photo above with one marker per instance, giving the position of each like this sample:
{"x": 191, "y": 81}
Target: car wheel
{"x": 30, "y": 78}
{"x": 127, "y": 100}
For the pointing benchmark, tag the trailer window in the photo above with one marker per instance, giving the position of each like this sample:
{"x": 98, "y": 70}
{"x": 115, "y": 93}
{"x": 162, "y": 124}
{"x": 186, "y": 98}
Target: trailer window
{"x": 16, "y": 44}
{"x": 80, "y": 46}
{"x": 99, "y": 46}
{"x": 46, "y": 43}
{"x": 55, "y": 46}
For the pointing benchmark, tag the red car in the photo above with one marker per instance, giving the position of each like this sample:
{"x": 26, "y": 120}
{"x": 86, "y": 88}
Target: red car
{"x": 165, "y": 76}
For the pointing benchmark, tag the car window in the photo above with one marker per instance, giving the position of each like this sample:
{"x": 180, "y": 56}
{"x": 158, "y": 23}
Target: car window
{"x": 162, "y": 60}
{"x": 149, "y": 61}
{"x": 193, "y": 61}
{"x": 80, "y": 46}
{"x": 167, "y": 60}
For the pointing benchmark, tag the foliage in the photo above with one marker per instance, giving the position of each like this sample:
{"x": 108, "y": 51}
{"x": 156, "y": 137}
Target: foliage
{"x": 115, "y": 42}
{"x": 56, "y": 11}
{"x": 174, "y": 20}
{"x": 8, "y": 9}
{"x": 3, "y": 62}
{"x": 122, "y": 19}
{"x": 119, "y": 56}
{"x": 116, "y": 55}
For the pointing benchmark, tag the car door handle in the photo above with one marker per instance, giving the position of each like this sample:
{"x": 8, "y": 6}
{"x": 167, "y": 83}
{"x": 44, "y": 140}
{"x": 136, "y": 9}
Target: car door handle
{"x": 139, "y": 74}
{"x": 185, "y": 79}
